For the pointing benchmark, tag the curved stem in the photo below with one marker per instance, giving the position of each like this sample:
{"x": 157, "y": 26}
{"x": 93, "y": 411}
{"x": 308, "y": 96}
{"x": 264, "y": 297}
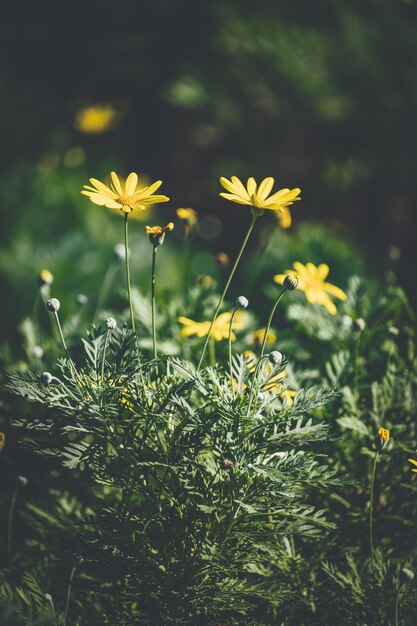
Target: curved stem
{"x": 10, "y": 522}
{"x": 155, "y": 355}
{"x": 229, "y": 280}
{"x": 129, "y": 291}
{"x": 371, "y": 506}
{"x": 61, "y": 335}
{"x": 230, "y": 349}
{"x": 69, "y": 594}
{"x": 106, "y": 341}
{"x": 268, "y": 326}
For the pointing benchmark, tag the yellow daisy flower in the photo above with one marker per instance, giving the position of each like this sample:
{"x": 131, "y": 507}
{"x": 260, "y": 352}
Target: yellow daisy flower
{"x": 258, "y": 336}
{"x": 156, "y": 234}
{"x": 258, "y": 195}
{"x": 127, "y": 197}
{"x": 413, "y": 462}
{"x": 220, "y": 328}
{"x": 311, "y": 281}
{"x": 94, "y": 120}
{"x": 190, "y": 218}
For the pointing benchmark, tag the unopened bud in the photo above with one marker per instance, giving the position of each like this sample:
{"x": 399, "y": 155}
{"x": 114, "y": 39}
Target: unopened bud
{"x": 53, "y": 305}
{"x": 111, "y": 323}
{"x": 360, "y": 324}
{"x": 406, "y": 575}
{"x": 241, "y": 302}
{"x": 46, "y": 378}
{"x": 275, "y": 357}
{"x": 291, "y": 282}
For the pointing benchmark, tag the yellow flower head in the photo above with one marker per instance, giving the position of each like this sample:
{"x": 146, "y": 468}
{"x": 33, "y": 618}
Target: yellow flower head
{"x": 222, "y": 259}
{"x": 156, "y": 234}
{"x": 258, "y": 196}
{"x": 94, "y": 120}
{"x": 190, "y": 217}
{"x": 126, "y": 197}
{"x": 2, "y": 440}
{"x": 311, "y": 281}
{"x": 413, "y": 462}
{"x": 45, "y": 278}
{"x": 220, "y": 328}
{"x": 384, "y": 436}
{"x": 258, "y": 336}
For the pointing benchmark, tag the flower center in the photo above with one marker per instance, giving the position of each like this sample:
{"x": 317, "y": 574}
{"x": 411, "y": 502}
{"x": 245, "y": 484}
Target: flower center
{"x": 125, "y": 200}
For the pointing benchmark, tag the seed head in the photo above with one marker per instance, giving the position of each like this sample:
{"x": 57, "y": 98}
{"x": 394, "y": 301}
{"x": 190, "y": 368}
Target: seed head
{"x": 275, "y": 357}
{"x": 291, "y": 282}
{"x": 53, "y": 305}
{"x": 241, "y": 302}
{"x": 111, "y": 323}
{"x": 406, "y": 575}
{"x": 46, "y": 378}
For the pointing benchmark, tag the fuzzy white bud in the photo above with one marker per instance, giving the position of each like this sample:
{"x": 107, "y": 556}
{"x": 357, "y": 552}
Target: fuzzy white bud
{"x": 275, "y": 357}
{"x": 53, "y": 305}
{"x": 241, "y": 302}
{"x": 111, "y": 323}
{"x": 46, "y": 378}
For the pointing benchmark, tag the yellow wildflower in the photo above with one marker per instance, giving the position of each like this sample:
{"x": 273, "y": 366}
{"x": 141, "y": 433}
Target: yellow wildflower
{"x": 413, "y": 462}
{"x": 289, "y": 394}
{"x": 2, "y": 440}
{"x": 384, "y": 436}
{"x": 220, "y": 328}
{"x": 190, "y": 218}
{"x": 311, "y": 281}
{"x": 251, "y": 359}
{"x": 125, "y": 197}
{"x": 45, "y": 277}
{"x": 156, "y": 234}
{"x": 258, "y": 196}
{"x": 222, "y": 259}
{"x": 94, "y": 120}
{"x": 258, "y": 336}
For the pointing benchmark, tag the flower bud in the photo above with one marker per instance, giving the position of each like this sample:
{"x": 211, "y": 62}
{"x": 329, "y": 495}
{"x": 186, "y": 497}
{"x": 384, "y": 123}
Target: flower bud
{"x": 81, "y": 299}
{"x": 111, "y": 323}
{"x": 53, "y": 305}
{"x": 37, "y": 352}
{"x": 275, "y": 357}
{"x": 119, "y": 252}
{"x": 227, "y": 464}
{"x": 291, "y": 282}
{"x": 45, "y": 278}
{"x": 46, "y": 378}
{"x": 241, "y": 302}
{"x": 406, "y": 575}
{"x": 22, "y": 481}
{"x": 383, "y": 437}
{"x": 360, "y": 324}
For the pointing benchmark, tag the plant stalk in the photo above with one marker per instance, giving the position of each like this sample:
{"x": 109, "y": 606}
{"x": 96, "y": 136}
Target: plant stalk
{"x": 371, "y": 506}
{"x": 268, "y": 326}
{"x": 230, "y": 349}
{"x": 129, "y": 291}
{"x": 155, "y": 355}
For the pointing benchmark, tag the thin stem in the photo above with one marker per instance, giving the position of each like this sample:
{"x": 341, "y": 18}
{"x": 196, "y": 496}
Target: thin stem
{"x": 229, "y": 280}
{"x": 69, "y": 594}
{"x": 212, "y": 352}
{"x": 397, "y": 601}
{"x": 10, "y": 522}
{"x": 356, "y": 380}
{"x": 268, "y": 326}
{"x": 155, "y": 355}
{"x": 129, "y": 291}
{"x": 230, "y": 349}
{"x": 371, "y": 506}
{"x": 106, "y": 341}
{"x": 61, "y": 335}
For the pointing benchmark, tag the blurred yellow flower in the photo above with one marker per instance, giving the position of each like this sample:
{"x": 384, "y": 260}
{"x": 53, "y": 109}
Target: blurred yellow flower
{"x": 258, "y": 196}
{"x": 127, "y": 197}
{"x": 311, "y": 281}
{"x": 2, "y": 440}
{"x": 251, "y": 359}
{"x": 284, "y": 217}
{"x": 413, "y": 462}
{"x": 258, "y": 336}
{"x": 220, "y": 328}
{"x": 222, "y": 259}
{"x": 289, "y": 394}
{"x": 384, "y": 435}
{"x": 94, "y": 120}
{"x": 45, "y": 277}
{"x": 189, "y": 216}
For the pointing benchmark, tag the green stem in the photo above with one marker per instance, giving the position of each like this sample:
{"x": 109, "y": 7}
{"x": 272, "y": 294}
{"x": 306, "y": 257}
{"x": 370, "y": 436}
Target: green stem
{"x": 10, "y": 521}
{"x": 230, "y": 349}
{"x": 155, "y": 355}
{"x": 129, "y": 291}
{"x": 212, "y": 352}
{"x": 356, "y": 381}
{"x": 106, "y": 341}
{"x": 67, "y": 601}
{"x": 61, "y": 335}
{"x": 371, "y": 506}
{"x": 229, "y": 280}
{"x": 268, "y": 326}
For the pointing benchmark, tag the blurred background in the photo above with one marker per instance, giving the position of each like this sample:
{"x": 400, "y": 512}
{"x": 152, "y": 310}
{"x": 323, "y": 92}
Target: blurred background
{"x": 321, "y": 95}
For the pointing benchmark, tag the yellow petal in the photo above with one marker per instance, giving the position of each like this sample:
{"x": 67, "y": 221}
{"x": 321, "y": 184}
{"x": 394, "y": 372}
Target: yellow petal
{"x": 151, "y": 200}
{"x": 265, "y": 188}
{"x": 131, "y": 183}
{"x": 413, "y": 461}
{"x": 251, "y": 186}
{"x": 279, "y": 278}
{"x": 335, "y": 291}
{"x": 233, "y": 198}
{"x": 103, "y": 188}
{"x": 239, "y": 188}
{"x": 116, "y": 183}
{"x": 323, "y": 271}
